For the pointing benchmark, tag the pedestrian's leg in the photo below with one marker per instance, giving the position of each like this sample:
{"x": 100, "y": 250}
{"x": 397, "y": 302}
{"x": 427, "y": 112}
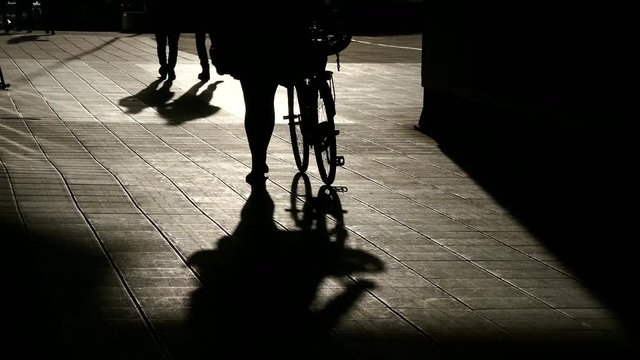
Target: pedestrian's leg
{"x": 173, "y": 37}
{"x": 161, "y": 49}
{"x": 259, "y": 121}
{"x": 201, "y": 49}
{"x": 3, "y": 85}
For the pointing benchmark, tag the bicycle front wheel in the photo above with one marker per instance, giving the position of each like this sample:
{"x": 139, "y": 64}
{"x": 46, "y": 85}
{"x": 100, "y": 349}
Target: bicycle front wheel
{"x": 325, "y": 134}
{"x": 299, "y": 144}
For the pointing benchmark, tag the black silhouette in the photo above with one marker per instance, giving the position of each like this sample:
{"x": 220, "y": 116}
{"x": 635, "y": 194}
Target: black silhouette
{"x": 3, "y": 84}
{"x": 49, "y": 16}
{"x": 279, "y": 39}
{"x": 201, "y": 49}
{"x": 260, "y": 283}
{"x": 24, "y": 38}
{"x": 151, "y": 96}
{"x": 190, "y": 105}
{"x": 166, "y": 27}
{"x": 5, "y": 10}
{"x": 199, "y": 15}
{"x": 24, "y": 15}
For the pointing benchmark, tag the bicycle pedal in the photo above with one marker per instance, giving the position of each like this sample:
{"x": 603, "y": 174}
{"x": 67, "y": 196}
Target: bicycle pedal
{"x": 341, "y": 189}
{"x": 336, "y": 132}
{"x": 339, "y": 160}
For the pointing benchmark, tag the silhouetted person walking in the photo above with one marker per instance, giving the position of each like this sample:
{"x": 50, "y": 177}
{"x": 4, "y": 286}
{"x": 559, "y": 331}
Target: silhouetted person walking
{"x": 49, "y": 16}
{"x": 166, "y": 27}
{"x": 5, "y": 16}
{"x": 260, "y": 53}
{"x": 24, "y": 15}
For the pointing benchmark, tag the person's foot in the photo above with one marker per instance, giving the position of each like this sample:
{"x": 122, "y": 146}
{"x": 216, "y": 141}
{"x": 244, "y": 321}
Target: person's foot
{"x": 171, "y": 75}
{"x": 257, "y": 177}
{"x": 163, "y": 72}
{"x": 204, "y": 75}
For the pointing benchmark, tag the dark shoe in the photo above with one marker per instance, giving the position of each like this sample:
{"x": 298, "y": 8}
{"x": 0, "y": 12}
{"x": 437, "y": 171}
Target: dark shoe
{"x": 257, "y": 177}
{"x": 53, "y": 32}
{"x": 204, "y": 75}
{"x": 171, "y": 75}
{"x": 163, "y": 72}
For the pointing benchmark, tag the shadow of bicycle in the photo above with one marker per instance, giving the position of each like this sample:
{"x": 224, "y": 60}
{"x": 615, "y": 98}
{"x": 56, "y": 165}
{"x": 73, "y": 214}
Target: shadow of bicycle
{"x": 273, "y": 290}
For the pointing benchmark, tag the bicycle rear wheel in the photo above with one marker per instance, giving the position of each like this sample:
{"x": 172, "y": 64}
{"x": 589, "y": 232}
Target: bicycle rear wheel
{"x": 299, "y": 144}
{"x": 325, "y": 134}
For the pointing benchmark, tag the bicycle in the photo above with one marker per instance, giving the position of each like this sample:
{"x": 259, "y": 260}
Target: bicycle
{"x": 311, "y": 104}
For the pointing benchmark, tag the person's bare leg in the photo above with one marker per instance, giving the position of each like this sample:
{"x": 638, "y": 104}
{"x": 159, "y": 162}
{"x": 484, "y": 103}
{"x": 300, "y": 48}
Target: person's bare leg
{"x": 259, "y": 121}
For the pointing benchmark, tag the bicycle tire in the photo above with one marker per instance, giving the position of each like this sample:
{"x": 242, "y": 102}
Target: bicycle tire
{"x": 299, "y": 143}
{"x": 325, "y": 134}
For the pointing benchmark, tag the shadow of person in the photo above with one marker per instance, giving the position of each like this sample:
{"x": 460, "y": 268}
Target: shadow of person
{"x": 259, "y": 283}
{"x": 151, "y": 96}
{"x": 24, "y": 38}
{"x": 190, "y": 105}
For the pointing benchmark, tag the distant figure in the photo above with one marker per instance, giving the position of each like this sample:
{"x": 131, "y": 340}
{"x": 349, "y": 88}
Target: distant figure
{"x": 261, "y": 52}
{"x": 5, "y": 17}
{"x": 166, "y": 27}
{"x": 3, "y": 85}
{"x": 49, "y": 16}
{"x": 24, "y": 15}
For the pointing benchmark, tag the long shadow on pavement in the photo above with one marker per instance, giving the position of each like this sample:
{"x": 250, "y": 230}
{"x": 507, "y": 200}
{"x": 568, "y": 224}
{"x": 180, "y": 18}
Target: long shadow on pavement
{"x": 191, "y": 105}
{"x": 260, "y": 283}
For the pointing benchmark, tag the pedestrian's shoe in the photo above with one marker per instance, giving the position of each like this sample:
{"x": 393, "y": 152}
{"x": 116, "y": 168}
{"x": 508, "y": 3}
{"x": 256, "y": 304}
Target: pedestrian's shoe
{"x": 204, "y": 75}
{"x": 257, "y": 177}
{"x": 171, "y": 75}
{"x": 163, "y": 72}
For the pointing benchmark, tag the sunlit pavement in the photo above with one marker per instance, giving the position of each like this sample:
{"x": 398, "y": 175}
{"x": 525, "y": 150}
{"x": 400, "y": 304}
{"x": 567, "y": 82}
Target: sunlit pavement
{"x": 124, "y": 196}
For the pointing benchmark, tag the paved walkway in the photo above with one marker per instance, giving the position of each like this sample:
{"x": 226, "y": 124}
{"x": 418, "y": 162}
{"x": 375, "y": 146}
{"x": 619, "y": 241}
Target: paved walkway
{"x": 131, "y": 233}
